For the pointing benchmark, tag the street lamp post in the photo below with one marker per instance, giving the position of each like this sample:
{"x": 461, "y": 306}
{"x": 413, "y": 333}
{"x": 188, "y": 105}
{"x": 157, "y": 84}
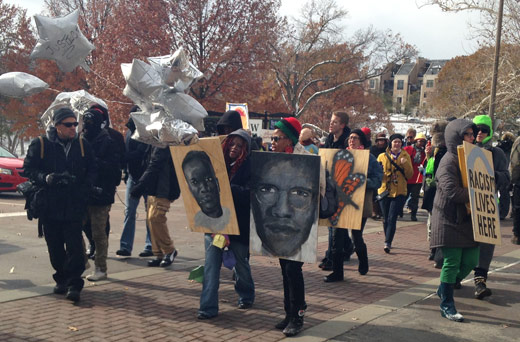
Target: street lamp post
{"x": 495, "y": 66}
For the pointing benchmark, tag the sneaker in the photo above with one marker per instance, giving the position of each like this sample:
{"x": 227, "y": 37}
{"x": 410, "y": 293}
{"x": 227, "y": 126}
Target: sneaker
{"x": 387, "y": 249}
{"x": 294, "y": 327}
{"x": 73, "y": 295}
{"x": 155, "y": 262}
{"x": 97, "y": 275}
{"x": 168, "y": 259}
{"x": 244, "y": 306}
{"x": 60, "y": 289}
{"x": 146, "y": 253}
{"x": 123, "y": 252}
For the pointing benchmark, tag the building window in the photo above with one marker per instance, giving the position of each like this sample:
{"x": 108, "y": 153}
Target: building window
{"x": 429, "y": 84}
{"x": 425, "y": 95}
{"x": 400, "y": 85}
{"x": 372, "y": 84}
{"x": 399, "y": 100}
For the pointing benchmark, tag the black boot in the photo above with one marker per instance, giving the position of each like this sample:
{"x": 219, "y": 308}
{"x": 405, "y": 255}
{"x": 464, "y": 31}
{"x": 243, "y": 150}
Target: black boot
{"x": 294, "y": 327}
{"x": 362, "y": 255}
{"x": 481, "y": 290}
{"x": 458, "y": 284}
{"x": 283, "y": 323}
{"x": 448, "y": 310}
{"x": 337, "y": 267}
{"x": 432, "y": 254}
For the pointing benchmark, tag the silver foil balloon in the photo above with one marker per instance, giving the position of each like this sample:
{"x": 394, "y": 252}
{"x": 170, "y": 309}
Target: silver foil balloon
{"x": 61, "y": 40}
{"x": 78, "y": 101}
{"x": 158, "y": 129}
{"x": 20, "y": 84}
{"x": 143, "y": 82}
{"x": 184, "y": 107}
{"x": 176, "y": 70}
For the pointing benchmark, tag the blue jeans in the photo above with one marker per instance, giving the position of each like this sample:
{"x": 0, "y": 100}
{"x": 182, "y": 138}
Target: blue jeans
{"x": 127, "y": 237}
{"x": 244, "y": 284}
{"x": 391, "y": 206}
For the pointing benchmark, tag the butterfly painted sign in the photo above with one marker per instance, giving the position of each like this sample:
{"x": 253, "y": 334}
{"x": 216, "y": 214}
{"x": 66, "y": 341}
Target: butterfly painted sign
{"x": 348, "y": 170}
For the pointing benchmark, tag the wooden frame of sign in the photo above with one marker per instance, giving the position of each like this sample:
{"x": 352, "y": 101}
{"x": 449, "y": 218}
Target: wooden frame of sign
{"x": 197, "y": 220}
{"x": 480, "y": 177}
{"x": 352, "y": 212}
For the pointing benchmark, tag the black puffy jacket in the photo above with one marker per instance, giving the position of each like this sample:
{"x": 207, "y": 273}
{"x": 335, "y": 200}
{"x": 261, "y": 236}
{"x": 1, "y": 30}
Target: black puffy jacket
{"x": 65, "y": 202}
{"x": 159, "y": 178}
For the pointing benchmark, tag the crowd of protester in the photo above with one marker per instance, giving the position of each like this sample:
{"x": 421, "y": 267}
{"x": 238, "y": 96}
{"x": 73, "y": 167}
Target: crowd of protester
{"x": 81, "y": 173}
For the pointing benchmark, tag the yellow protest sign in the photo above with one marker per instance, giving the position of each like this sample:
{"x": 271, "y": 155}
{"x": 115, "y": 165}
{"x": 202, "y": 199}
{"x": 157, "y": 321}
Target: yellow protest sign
{"x": 482, "y": 194}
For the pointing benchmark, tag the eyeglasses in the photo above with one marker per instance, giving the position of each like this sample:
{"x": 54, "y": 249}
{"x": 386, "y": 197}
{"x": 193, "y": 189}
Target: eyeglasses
{"x": 277, "y": 138}
{"x": 70, "y": 124}
{"x": 269, "y": 195}
{"x": 483, "y": 129}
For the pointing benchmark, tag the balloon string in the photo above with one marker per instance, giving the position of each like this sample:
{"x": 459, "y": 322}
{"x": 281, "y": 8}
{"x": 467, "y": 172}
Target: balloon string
{"x": 105, "y": 79}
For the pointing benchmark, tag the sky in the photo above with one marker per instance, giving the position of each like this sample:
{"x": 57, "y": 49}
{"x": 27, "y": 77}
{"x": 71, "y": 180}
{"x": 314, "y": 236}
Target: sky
{"x": 436, "y": 34}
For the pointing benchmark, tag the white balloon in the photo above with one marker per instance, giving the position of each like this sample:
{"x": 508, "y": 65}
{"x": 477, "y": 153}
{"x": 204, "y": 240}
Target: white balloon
{"x": 143, "y": 82}
{"x": 61, "y": 40}
{"x": 20, "y": 84}
{"x": 78, "y": 101}
{"x": 184, "y": 107}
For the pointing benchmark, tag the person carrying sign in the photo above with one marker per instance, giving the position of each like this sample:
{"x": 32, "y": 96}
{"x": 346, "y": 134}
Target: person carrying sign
{"x": 451, "y": 223}
{"x": 502, "y": 180}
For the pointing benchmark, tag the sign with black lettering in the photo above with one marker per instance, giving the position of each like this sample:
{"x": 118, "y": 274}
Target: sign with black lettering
{"x": 482, "y": 194}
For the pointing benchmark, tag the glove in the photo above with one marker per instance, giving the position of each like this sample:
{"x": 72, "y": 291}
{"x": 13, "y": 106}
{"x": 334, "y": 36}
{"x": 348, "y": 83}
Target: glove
{"x": 137, "y": 190}
{"x": 59, "y": 179}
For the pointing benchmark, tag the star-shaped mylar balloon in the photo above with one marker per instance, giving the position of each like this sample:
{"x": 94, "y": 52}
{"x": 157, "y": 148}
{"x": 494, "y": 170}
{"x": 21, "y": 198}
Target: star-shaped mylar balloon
{"x": 61, "y": 40}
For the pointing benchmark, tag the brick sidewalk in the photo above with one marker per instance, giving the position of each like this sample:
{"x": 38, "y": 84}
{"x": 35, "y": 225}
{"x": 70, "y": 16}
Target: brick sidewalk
{"x": 163, "y": 307}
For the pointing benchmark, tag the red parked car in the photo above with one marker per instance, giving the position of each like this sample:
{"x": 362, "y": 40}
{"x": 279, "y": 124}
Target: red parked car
{"x": 11, "y": 171}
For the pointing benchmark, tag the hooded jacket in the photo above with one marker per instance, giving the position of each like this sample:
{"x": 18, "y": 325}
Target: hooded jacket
{"x": 451, "y": 224}
{"x": 66, "y": 203}
{"x": 240, "y": 191}
{"x": 500, "y": 164}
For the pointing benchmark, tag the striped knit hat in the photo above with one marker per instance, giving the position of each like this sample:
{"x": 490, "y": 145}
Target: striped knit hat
{"x": 291, "y": 127}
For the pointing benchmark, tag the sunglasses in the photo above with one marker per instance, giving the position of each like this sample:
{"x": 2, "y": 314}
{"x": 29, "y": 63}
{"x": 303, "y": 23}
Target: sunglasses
{"x": 70, "y": 124}
{"x": 483, "y": 129}
{"x": 276, "y": 139}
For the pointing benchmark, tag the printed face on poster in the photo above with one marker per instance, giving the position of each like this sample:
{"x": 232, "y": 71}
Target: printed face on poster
{"x": 242, "y": 109}
{"x": 482, "y": 194}
{"x": 348, "y": 170}
{"x": 284, "y": 205}
{"x": 205, "y": 188}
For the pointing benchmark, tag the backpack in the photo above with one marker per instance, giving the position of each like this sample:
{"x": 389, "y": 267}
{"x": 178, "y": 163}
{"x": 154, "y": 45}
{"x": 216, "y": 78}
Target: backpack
{"x": 329, "y": 202}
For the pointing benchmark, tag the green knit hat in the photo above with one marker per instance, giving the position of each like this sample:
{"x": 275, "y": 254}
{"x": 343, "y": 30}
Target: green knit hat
{"x": 484, "y": 120}
{"x": 291, "y": 127}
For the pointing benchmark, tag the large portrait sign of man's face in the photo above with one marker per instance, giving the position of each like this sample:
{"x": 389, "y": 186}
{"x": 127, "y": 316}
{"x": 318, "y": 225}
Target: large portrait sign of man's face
{"x": 284, "y": 204}
{"x": 202, "y": 182}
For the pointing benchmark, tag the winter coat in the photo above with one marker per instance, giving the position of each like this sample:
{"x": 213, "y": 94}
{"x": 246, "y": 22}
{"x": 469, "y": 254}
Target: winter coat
{"x": 417, "y": 177}
{"x": 390, "y": 171}
{"x": 240, "y": 191}
{"x": 451, "y": 223}
{"x": 135, "y": 157}
{"x": 109, "y": 172}
{"x": 66, "y": 202}
{"x": 342, "y": 141}
{"x": 515, "y": 162}
{"x": 430, "y": 186}
{"x": 159, "y": 179}
{"x": 376, "y": 151}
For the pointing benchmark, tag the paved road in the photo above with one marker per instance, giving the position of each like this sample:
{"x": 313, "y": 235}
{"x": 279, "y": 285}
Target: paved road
{"x": 392, "y": 302}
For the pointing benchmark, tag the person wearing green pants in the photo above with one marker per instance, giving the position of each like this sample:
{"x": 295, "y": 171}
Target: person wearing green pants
{"x": 451, "y": 223}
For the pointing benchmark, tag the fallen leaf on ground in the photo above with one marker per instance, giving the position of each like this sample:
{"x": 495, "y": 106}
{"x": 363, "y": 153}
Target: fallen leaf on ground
{"x": 73, "y": 329}
{"x": 12, "y": 270}
{"x": 355, "y": 319}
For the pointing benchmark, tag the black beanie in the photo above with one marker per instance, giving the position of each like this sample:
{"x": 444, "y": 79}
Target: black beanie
{"x": 61, "y": 114}
{"x": 362, "y": 137}
{"x": 396, "y": 136}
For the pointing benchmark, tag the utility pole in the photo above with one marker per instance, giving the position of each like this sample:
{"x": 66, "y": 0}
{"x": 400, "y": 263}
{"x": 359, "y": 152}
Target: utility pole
{"x": 495, "y": 66}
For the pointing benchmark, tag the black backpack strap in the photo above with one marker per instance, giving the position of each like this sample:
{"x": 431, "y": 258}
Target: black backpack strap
{"x": 400, "y": 169}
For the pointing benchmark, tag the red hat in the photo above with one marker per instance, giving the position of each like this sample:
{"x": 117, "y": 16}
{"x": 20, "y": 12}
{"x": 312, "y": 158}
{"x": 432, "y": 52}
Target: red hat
{"x": 291, "y": 127}
{"x": 366, "y": 130}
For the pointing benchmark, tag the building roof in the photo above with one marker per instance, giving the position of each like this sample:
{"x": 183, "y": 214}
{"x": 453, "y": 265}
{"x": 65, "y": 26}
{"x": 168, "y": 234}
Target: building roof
{"x": 435, "y": 66}
{"x": 406, "y": 68}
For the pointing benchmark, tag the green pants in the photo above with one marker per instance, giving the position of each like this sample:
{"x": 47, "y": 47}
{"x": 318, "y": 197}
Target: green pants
{"x": 458, "y": 263}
